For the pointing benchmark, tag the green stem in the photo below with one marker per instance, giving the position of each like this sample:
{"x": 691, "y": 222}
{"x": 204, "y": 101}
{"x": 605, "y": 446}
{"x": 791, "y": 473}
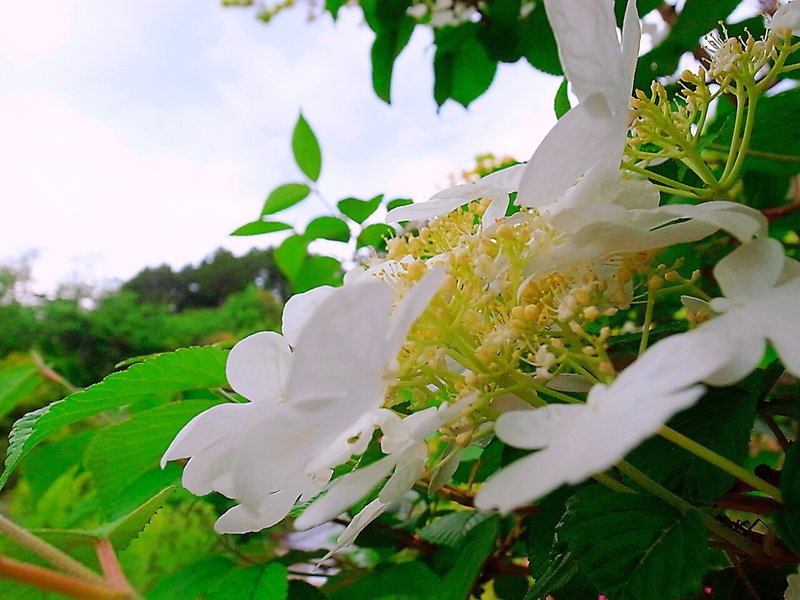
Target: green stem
{"x": 648, "y": 320}
{"x": 726, "y": 180}
{"x": 671, "y": 183}
{"x": 47, "y": 551}
{"x": 734, "y": 150}
{"x": 720, "y": 462}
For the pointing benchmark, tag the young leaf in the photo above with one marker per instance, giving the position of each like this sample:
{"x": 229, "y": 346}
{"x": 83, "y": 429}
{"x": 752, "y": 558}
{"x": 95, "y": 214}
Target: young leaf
{"x": 289, "y": 256}
{"x": 17, "y": 382}
{"x": 561, "y": 102}
{"x": 120, "y": 455}
{"x": 329, "y": 228}
{"x": 160, "y": 377}
{"x": 375, "y": 236}
{"x": 258, "y": 227}
{"x": 392, "y": 204}
{"x": 316, "y": 271}
{"x": 629, "y": 544}
{"x": 306, "y": 149}
{"x": 284, "y": 196}
{"x": 359, "y": 210}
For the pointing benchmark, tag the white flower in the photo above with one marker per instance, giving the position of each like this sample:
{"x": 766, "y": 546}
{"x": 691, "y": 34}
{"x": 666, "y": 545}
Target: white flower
{"x": 578, "y": 440}
{"x": 786, "y": 18}
{"x": 497, "y": 186}
{"x": 793, "y": 591}
{"x": 761, "y": 289}
{"x": 600, "y": 71}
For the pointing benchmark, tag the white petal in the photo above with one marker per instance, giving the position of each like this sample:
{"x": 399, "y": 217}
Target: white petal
{"x": 786, "y": 17}
{"x": 426, "y": 210}
{"x": 273, "y": 509}
{"x": 345, "y": 492}
{"x": 299, "y": 309}
{"x": 495, "y": 211}
{"x": 750, "y": 269}
{"x": 364, "y": 517}
{"x": 569, "y": 382}
{"x": 257, "y": 366}
{"x": 696, "y": 304}
{"x": 519, "y": 483}
{"x": 742, "y": 222}
{"x": 779, "y": 316}
{"x": 409, "y": 469}
{"x": 531, "y": 429}
{"x": 631, "y": 37}
{"x": 793, "y": 591}
{"x": 410, "y": 308}
{"x": 739, "y": 345}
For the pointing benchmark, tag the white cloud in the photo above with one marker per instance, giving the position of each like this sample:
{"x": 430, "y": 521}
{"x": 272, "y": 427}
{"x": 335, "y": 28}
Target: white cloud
{"x": 29, "y": 31}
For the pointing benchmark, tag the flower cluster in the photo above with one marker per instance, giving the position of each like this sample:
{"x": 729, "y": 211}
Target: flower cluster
{"x": 494, "y": 317}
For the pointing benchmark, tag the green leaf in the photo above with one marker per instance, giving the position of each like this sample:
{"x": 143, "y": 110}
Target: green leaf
{"x": 458, "y": 582}
{"x": 193, "y": 581}
{"x": 406, "y": 581}
{"x": 160, "y": 377}
{"x": 285, "y": 196}
{"x": 317, "y": 271}
{"x": 375, "y": 236}
{"x": 500, "y": 30}
{"x": 629, "y": 545}
{"x": 683, "y": 472}
{"x": 329, "y": 228}
{"x": 560, "y": 571}
{"x": 333, "y": 6}
{"x": 47, "y": 462}
{"x": 306, "y": 150}
{"x": 289, "y": 256}
{"x": 259, "y": 227}
{"x": 359, "y": 210}
{"x": 539, "y": 44}
{"x": 259, "y": 582}
{"x": 788, "y": 520}
{"x": 392, "y": 204}
{"x": 768, "y": 582}
{"x": 17, "y": 382}
{"x": 384, "y": 52}
{"x": 120, "y": 455}
{"x": 452, "y": 529}
{"x": 302, "y": 590}
{"x": 561, "y": 103}
{"x": 462, "y": 68}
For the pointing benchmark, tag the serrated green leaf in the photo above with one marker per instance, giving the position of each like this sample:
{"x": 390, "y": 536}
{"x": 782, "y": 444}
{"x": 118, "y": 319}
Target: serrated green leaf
{"x": 17, "y": 382}
{"x": 160, "y": 377}
{"x": 375, "y": 236}
{"x": 561, "y": 103}
{"x": 462, "y": 68}
{"x": 407, "y": 581}
{"x": 260, "y": 227}
{"x": 259, "y": 582}
{"x": 285, "y": 196}
{"x": 47, "y": 462}
{"x": 194, "y": 580}
{"x": 317, "y": 271}
{"x": 306, "y": 150}
{"x": 453, "y": 528}
{"x": 788, "y": 519}
{"x": 458, "y": 581}
{"x": 122, "y": 454}
{"x": 289, "y": 256}
{"x": 328, "y": 228}
{"x": 684, "y": 473}
{"x": 629, "y": 544}
{"x": 359, "y": 210}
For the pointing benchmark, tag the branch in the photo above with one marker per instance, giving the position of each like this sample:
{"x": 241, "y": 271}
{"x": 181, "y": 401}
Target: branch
{"x": 111, "y": 568}
{"x": 47, "y": 579}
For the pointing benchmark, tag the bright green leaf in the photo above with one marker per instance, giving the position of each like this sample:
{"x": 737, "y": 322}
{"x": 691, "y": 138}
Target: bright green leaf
{"x": 359, "y": 210}
{"x": 259, "y": 582}
{"x": 462, "y": 69}
{"x": 285, "y": 196}
{"x": 375, "y": 236}
{"x": 160, "y": 377}
{"x": 538, "y": 42}
{"x": 194, "y": 580}
{"x": 259, "y": 227}
{"x": 17, "y": 382}
{"x": 406, "y": 581}
{"x": 392, "y": 204}
{"x": 384, "y": 52}
{"x": 47, "y": 462}
{"x": 333, "y": 6}
{"x": 561, "y": 103}
{"x": 289, "y": 256}
{"x": 316, "y": 271}
{"x": 629, "y": 544}
{"x": 120, "y": 455}
{"x": 306, "y": 150}
{"x": 329, "y": 228}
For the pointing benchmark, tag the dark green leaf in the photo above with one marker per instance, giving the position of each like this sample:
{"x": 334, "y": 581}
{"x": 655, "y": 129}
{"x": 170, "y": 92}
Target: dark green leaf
{"x": 539, "y": 44}
{"x": 333, "y": 6}
{"x": 120, "y": 455}
{"x": 510, "y": 587}
{"x": 788, "y": 520}
{"x": 289, "y": 256}
{"x": 259, "y": 582}
{"x": 629, "y": 545}
{"x": 306, "y": 150}
{"x": 17, "y": 382}
{"x": 452, "y": 529}
{"x": 259, "y": 227}
{"x": 500, "y": 30}
{"x": 329, "y": 228}
{"x": 643, "y": 7}
{"x": 462, "y": 69}
{"x": 561, "y": 102}
{"x": 359, "y": 210}
{"x": 375, "y": 236}
{"x": 193, "y": 581}
{"x": 316, "y": 271}
{"x": 559, "y": 572}
{"x": 457, "y": 583}
{"x": 683, "y": 472}
{"x": 406, "y": 581}
{"x": 768, "y": 582}
{"x": 385, "y": 49}
{"x": 284, "y": 196}
{"x": 160, "y": 377}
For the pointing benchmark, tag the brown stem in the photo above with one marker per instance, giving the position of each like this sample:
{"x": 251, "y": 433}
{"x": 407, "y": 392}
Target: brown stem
{"x": 781, "y": 211}
{"x": 47, "y": 579}
{"x": 759, "y": 505}
{"x": 48, "y": 372}
{"x": 111, "y": 568}
{"x": 781, "y": 438}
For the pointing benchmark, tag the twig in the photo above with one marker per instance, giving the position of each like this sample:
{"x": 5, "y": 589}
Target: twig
{"x": 115, "y": 577}
{"x": 47, "y": 579}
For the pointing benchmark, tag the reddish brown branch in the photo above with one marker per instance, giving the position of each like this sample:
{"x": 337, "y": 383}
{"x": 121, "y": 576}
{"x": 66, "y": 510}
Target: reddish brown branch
{"x": 111, "y": 568}
{"x": 47, "y": 579}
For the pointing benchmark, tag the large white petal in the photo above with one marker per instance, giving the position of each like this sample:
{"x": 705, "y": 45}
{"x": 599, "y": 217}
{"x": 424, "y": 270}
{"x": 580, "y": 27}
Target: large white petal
{"x": 432, "y": 208}
{"x": 273, "y": 509}
{"x": 299, "y": 309}
{"x": 345, "y": 492}
{"x": 631, "y": 37}
{"x": 739, "y": 341}
{"x": 532, "y": 429}
{"x": 257, "y": 366}
{"x": 364, "y": 517}
{"x": 519, "y": 483}
{"x": 742, "y": 222}
{"x": 410, "y": 468}
{"x": 779, "y": 316}
{"x": 751, "y": 269}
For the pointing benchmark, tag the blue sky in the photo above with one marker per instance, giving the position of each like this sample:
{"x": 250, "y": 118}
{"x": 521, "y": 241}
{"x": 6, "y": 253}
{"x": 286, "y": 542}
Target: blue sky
{"x": 137, "y": 133}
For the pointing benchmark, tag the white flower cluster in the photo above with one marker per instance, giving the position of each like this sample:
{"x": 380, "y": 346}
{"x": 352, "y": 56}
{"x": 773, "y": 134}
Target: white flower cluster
{"x": 459, "y": 335}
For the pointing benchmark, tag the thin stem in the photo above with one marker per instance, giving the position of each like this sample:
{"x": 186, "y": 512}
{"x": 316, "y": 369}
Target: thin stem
{"x": 112, "y": 569}
{"x": 47, "y": 551}
{"x": 47, "y": 579}
{"x": 611, "y": 483}
{"x": 720, "y": 462}
{"x": 783, "y": 441}
{"x": 725, "y": 181}
{"x": 648, "y": 320}
{"x": 737, "y": 128}
{"x": 671, "y": 183}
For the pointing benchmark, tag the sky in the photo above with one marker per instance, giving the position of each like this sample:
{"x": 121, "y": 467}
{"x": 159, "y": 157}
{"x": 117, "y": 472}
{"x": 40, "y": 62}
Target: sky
{"x": 134, "y": 134}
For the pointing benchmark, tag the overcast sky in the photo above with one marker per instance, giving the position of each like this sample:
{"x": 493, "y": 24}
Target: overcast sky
{"x": 137, "y": 133}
